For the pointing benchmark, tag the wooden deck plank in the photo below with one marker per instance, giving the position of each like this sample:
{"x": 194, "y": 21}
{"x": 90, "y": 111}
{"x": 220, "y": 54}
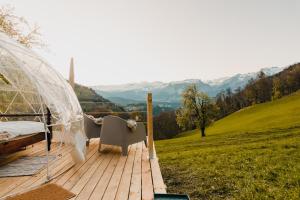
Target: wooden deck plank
{"x": 56, "y": 167}
{"x": 103, "y": 182}
{"x": 79, "y": 173}
{"x": 135, "y": 191}
{"x": 86, "y": 177}
{"x": 40, "y": 178}
{"x": 70, "y": 164}
{"x": 123, "y": 189}
{"x": 13, "y": 183}
{"x": 112, "y": 187}
{"x": 158, "y": 182}
{"x": 66, "y": 176}
{"x": 91, "y": 184}
{"x": 147, "y": 185}
{"x": 6, "y": 159}
{"x": 106, "y": 175}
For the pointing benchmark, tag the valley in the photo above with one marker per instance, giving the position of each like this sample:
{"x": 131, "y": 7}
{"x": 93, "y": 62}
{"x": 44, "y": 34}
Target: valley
{"x": 169, "y": 93}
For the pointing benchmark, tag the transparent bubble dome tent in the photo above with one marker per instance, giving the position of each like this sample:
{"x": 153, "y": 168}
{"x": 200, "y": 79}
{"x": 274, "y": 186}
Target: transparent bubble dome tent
{"x": 28, "y": 84}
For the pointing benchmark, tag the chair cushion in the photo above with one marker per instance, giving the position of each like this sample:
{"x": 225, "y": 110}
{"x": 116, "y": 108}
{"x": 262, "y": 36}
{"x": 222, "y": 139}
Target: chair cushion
{"x": 131, "y": 124}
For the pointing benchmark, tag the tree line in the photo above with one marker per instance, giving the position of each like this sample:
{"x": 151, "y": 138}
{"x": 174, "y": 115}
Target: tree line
{"x": 259, "y": 90}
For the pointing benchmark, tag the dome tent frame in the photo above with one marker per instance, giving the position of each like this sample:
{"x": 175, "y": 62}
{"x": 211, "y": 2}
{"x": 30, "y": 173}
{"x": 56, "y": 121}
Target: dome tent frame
{"x": 28, "y": 84}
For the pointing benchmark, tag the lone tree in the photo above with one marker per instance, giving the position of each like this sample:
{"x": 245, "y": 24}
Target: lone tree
{"x": 197, "y": 110}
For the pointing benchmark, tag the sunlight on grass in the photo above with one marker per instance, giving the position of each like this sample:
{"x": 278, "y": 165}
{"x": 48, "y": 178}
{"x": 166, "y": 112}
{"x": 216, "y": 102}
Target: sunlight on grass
{"x": 251, "y": 154}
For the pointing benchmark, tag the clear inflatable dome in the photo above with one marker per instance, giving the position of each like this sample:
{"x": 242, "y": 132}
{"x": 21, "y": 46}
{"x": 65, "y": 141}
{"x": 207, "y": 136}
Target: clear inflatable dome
{"x": 28, "y": 84}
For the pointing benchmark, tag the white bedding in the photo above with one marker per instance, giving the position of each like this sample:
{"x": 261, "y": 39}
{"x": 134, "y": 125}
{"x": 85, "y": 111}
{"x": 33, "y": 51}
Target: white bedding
{"x": 17, "y": 128}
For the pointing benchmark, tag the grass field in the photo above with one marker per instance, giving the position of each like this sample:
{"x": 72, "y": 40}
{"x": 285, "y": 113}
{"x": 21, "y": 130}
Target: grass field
{"x": 251, "y": 154}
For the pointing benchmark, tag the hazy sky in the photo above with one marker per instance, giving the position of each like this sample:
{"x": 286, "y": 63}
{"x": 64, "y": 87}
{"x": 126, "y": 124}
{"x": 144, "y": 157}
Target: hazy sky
{"x": 115, "y": 42}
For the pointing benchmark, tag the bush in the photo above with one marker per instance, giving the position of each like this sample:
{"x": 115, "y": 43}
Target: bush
{"x": 165, "y": 125}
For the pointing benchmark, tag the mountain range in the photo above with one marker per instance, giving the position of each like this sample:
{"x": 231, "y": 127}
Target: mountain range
{"x": 170, "y": 92}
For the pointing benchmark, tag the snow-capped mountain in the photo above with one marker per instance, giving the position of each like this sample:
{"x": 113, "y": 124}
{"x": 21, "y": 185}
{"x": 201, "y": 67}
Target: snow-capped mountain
{"x": 233, "y": 81}
{"x": 170, "y": 92}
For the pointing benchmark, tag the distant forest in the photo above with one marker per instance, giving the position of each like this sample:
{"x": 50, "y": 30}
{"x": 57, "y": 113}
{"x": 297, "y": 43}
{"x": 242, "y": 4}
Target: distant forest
{"x": 262, "y": 89}
{"x": 259, "y": 90}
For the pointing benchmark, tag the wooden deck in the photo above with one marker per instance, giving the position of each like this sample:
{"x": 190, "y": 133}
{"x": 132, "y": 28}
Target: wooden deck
{"x": 106, "y": 175}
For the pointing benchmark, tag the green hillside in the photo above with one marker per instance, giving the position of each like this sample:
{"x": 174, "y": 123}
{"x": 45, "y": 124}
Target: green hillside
{"x": 251, "y": 154}
{"x": 90, "y": 101}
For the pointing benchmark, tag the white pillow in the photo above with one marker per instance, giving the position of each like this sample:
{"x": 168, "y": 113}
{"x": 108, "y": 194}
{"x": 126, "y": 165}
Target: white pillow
{"x": 131, "y": 124}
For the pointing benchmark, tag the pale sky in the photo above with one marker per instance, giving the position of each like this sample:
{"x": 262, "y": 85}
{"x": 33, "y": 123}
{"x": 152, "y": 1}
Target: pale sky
{"x": 119, "y": 41}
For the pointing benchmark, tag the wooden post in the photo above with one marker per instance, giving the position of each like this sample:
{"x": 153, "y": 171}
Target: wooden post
{"x": 150, "y": 125}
